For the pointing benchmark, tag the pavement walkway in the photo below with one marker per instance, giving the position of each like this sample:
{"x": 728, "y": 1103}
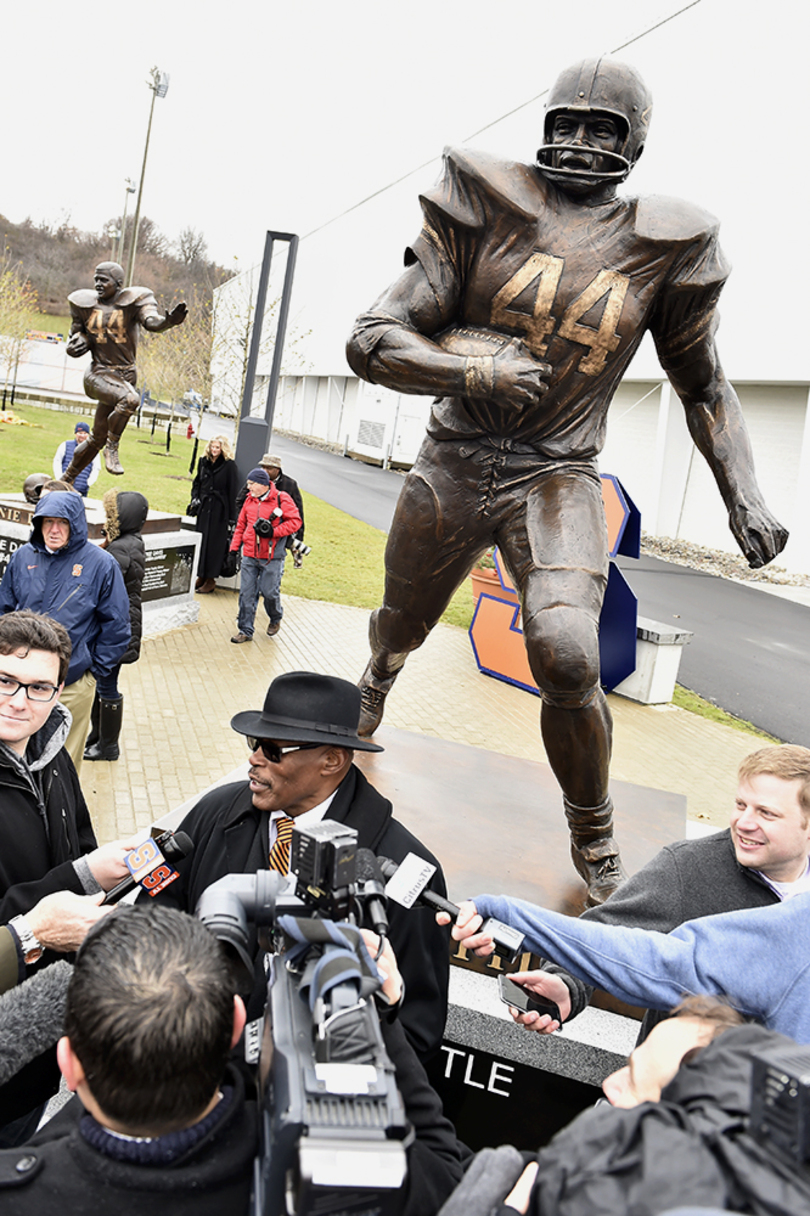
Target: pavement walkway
{"x": 179, "y": 698}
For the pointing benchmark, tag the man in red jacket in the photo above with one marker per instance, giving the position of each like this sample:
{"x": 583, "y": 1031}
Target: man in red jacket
{"x": 267, "y": 518}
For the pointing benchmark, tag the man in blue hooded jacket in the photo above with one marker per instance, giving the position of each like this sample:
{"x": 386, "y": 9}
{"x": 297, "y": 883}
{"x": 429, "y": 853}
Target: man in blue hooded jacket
{"x": 61, "y": 574}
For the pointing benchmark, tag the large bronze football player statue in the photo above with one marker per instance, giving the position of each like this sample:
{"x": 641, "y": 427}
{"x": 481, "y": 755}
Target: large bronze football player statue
{"x": 105, "y": 322}
{"x": 523, "y": 300}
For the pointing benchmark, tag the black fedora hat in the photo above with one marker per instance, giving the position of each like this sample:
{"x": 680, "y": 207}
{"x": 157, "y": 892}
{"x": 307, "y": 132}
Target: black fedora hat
{"x": 305, "y": 707}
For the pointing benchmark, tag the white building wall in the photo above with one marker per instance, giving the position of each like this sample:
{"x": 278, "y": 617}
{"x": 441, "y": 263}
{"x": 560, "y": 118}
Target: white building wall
{"x": 631, "y": 442}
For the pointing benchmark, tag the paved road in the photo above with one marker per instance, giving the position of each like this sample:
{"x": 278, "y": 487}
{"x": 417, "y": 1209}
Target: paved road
{"x": 751, "y": 650}
{"x": 363, "y": 491}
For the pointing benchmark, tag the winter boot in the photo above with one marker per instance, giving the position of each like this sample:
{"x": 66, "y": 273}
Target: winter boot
{"x": 594, "y": 851}
{"x": 110, "y": 715}
{"x": 92, "y": 738}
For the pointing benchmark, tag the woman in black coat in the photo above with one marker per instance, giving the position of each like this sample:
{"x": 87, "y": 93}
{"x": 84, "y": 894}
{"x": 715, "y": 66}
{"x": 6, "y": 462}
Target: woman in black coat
{"x": 126, "y": 512}
{"x": 214, "y": 490}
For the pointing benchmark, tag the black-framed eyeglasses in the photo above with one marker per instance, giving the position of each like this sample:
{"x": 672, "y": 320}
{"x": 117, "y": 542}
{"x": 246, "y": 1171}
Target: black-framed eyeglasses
{"x": 36, "y": 691}
{"x": 272, "y": 752}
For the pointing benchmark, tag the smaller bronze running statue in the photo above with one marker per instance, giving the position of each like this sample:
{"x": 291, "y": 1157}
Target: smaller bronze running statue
{"x": 105, "y": 322}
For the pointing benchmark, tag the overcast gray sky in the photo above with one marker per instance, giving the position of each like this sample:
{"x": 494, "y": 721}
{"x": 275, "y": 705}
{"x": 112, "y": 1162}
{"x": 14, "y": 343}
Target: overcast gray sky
{"x": 283, "y": 116}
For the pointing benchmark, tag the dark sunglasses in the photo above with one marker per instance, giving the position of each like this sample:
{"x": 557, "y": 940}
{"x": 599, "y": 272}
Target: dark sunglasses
{"x": 272, "y": 752}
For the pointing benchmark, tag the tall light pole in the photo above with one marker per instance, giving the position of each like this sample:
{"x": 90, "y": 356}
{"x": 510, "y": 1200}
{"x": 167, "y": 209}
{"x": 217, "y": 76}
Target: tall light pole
{"x": 122, "y": 238}
{"x": 159, "y": 85}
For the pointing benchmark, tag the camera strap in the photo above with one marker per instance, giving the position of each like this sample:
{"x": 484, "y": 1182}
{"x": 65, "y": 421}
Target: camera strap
{"x": 343, "y": 956}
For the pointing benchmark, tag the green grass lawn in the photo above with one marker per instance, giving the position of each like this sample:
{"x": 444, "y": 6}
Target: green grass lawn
{"x": 162, "y": 477}
{"x": 51, "y": 325}
{"x": 346, "y": 563}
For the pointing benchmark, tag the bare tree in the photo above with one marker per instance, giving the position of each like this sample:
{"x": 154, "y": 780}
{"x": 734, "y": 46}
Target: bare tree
{"x": 234, "y": 316}
{"x": 18, "y": 301}
{"x": 191, "y": 246}
{"x": 180, "y": 358}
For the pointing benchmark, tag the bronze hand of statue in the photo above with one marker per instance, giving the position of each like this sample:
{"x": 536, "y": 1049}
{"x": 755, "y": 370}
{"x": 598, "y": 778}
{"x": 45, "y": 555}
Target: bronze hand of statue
{"x": 518, "y": 379}
{"x": 77, "y": 345}
{"x": 758, "y": 534}
{"x": 177, "y": 315}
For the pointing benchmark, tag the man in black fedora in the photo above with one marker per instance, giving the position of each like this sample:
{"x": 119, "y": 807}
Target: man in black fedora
{"x": 301, "y": 750}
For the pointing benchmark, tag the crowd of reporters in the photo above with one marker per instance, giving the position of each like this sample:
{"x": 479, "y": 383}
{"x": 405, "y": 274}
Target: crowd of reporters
{"x": 149, "y": 1029}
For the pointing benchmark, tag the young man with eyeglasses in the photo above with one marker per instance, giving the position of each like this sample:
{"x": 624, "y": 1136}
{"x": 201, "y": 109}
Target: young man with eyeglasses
{"x": 47, "y": 842}
{"x": 302, "y": 745}
{"x": 63, "y": 575}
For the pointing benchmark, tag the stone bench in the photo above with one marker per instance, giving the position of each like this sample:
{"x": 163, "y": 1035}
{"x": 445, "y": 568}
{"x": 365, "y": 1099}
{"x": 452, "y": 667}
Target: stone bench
{"x": 658, "y": 657}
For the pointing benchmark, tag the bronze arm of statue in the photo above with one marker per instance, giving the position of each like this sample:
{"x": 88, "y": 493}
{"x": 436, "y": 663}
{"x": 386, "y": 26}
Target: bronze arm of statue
{"x": 105, "y": 323}
{"x": 406, "y": 360}
{"x": 175, "y": 316}
{"x": 716, "y": 424}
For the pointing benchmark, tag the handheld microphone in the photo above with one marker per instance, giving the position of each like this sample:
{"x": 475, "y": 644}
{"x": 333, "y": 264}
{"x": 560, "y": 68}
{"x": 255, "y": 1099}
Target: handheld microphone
{"x": 407, "y": 885}
{"x": 490, "y": 1177}
{"x": 147, "y": 865}
{"x": 371, "y": 889}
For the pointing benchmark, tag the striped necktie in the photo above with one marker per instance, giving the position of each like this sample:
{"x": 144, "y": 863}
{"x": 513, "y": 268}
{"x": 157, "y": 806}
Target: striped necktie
{"x": 280, "y": 852}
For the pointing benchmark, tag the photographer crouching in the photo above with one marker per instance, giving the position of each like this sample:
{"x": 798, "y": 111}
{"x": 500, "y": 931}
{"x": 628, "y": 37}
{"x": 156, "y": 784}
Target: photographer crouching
{"x": 160, "y": 1115}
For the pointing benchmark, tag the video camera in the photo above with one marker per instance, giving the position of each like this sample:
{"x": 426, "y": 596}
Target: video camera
{"x": 333, "y": 1126}
{"x": 780, "y": 1100}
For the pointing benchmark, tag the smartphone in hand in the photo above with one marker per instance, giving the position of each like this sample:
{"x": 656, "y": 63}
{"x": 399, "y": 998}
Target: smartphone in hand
{"x": 524, "y": 1000}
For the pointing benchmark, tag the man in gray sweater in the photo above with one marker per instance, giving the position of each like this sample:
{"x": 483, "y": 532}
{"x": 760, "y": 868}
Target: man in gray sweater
{"x": 760, "y": 859}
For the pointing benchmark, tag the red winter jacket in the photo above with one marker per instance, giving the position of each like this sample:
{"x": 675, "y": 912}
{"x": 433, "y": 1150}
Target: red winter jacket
{"x": 263, "y": 547}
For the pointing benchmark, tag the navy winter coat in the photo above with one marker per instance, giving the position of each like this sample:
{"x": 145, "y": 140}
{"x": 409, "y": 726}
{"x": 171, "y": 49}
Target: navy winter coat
{"x": 81, "y": 586}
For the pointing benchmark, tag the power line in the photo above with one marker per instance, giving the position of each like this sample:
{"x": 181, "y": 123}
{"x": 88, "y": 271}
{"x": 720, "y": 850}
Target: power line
{"x": 614, "y": 51}
{"x": 418, "y": 168}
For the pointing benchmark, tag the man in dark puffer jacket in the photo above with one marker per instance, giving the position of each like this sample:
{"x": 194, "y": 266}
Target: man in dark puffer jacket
{"x": 126, "y": 512}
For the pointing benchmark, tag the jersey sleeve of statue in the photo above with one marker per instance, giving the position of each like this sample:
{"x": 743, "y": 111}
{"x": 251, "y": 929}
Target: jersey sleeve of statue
{"x": 140, "y": 302}
{"x": 473, "y": 188}
{"x": 685, "y": 315}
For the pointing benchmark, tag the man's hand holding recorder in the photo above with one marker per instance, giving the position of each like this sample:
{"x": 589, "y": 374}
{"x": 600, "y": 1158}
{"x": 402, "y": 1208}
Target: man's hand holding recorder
{"x": 536, "y": 999}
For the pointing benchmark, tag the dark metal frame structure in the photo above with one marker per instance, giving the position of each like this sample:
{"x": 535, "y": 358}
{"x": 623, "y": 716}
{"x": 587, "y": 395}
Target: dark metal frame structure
{"x": 254, "y": 433}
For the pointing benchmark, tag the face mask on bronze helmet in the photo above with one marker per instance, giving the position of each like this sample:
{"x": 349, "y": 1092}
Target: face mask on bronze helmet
{"x": 593, "y": 87}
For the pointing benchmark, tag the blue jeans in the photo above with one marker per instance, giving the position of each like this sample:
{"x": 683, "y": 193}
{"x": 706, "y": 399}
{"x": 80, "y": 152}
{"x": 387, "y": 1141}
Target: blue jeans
{"x": 259, "y": 578}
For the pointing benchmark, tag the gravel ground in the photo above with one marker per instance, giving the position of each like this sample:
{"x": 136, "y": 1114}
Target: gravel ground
{"x": 727, "y": 565}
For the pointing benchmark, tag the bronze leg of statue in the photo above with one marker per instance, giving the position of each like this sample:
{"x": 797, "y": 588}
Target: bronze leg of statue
{"x": 83, "y": 455}
{"x": 427, "y": 555}
{"x": 118, "y": 400}
{"x": 436, "y": 535}
{"x": 548, "y": 521}
{"x": 85, "y": 452}
{"x": 560, "y": 564}
{"x": 116, "y": 426}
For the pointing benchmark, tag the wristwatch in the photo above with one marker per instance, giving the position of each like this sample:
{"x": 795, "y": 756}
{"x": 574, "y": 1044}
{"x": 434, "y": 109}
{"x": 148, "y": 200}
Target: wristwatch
{"x": 31, "y": 948}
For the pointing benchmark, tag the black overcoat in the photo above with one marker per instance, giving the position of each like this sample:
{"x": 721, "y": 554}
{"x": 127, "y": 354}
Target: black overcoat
{"x": 215, "y": 485}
